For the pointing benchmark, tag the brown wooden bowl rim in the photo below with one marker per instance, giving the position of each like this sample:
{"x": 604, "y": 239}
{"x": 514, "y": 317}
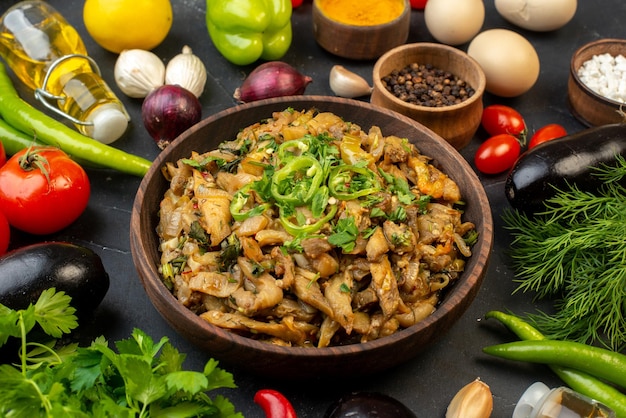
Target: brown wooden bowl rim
{"x": 479, "y": 90}
{"x": 465, "y": 285}
{"x": 574, "y": 70}
{"x": 364, "y": 28}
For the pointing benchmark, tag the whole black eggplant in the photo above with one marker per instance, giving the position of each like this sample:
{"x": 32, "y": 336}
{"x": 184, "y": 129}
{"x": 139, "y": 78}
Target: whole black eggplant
{"x": 368, "y": 405}
{"x": 76, "y": 270}
{"x": 551, "y": 166}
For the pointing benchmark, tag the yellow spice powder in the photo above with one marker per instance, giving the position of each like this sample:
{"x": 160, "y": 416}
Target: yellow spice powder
{"x": 362, "y": 12}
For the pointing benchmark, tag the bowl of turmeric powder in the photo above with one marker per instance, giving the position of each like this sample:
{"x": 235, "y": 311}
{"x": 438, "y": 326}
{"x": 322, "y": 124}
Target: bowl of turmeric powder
{"x": 360, "y": 29}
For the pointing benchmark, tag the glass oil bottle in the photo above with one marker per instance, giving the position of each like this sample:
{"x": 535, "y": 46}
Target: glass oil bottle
{"x": 47, "y": 54}
{"x": 539, "y": 401}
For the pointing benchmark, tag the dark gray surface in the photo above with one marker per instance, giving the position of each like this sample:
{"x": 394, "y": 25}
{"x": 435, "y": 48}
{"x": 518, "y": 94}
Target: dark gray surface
{"x": 425, "y": 384}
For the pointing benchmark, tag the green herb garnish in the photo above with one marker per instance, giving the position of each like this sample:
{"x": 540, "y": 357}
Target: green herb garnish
{"x": 344, "y": 234}
{"x": 141, "y": 378}
{"x": 576, "y": 252}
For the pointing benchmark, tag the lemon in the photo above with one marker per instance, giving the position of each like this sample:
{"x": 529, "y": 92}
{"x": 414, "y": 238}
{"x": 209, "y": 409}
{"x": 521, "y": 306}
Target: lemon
{"x": 117, "y": 25}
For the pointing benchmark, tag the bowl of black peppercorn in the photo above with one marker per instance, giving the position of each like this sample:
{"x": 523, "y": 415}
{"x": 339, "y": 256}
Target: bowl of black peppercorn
{"x": 437, "y": 85}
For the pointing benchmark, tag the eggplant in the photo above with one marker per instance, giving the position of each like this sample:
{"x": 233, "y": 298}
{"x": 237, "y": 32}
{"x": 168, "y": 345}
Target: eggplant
{"x": 368, "y": 404}
{"x": 78, "y": 271}
{"x": 542, "y": 171}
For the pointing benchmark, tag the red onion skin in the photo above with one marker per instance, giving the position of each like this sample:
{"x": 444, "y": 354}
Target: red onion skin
{"x": 272, "y": 79}
{"x": 168, "y": 111}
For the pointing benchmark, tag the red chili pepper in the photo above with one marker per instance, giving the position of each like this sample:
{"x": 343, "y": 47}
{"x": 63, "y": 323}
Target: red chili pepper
{"x": 418, "y": 4}
{"x": 296, "y": 3}
{"x": 274, "y": 404}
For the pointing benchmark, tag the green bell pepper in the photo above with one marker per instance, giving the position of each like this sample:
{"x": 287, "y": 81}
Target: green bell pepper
{"x": 244, "y": 31}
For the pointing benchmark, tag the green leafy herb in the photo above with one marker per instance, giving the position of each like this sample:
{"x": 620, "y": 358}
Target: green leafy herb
{"x": 197, "y": 232}
{"x": 344, "y": 234}
{"x": 400, "y": 187}
{"x": 141, "y": 378}
{"x": 576, "y": 252}
{"x": 398, "y": 214}
{"x": 231, "y": 248}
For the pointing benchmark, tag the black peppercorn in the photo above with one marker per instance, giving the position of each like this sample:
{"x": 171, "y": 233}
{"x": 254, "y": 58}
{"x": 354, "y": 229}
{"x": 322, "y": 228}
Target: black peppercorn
{"x": 425, "y": 85}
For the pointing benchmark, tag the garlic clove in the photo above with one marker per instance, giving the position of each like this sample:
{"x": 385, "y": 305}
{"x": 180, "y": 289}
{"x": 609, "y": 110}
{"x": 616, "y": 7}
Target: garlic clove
{"x": 187, "y": 71}
{"x": 474, "y": 400}
{"x": 345, "y": 83}
{"x": 137, "y": 72}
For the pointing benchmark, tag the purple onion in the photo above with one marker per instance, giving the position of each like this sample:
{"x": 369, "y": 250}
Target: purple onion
{"x": 272, "y": 79}
{"x": 168, "y": 111}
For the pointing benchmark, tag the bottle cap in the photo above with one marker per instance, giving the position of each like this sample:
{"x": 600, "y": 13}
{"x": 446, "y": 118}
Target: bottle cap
{"x": 109, "y": 123}
{"x": 530, "y": 399}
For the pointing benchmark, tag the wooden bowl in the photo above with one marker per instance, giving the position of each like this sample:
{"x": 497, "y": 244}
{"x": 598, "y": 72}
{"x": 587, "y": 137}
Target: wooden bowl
{"x": 300, "y": 362}
{"x": 357, "y": 41}
{"x": 457, "y": 123}
{"x": 586, "y": 105}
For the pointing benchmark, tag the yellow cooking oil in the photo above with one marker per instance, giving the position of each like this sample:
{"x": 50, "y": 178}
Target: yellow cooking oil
{"x": 47, "y": 54}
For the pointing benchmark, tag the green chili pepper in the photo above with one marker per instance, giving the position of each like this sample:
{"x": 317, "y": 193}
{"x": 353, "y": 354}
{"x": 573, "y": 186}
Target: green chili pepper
{"x": 306, "y": 228}
{"x": 25, "y": 118}
{"x": 14, "y": 140}
{"x": 293, "y": 148}
{"x": 599, "y": 362}
{"x": 348, "y": 182}
{"x": 240, "y": 199}
{"x": 579, "y": 381}
{"x": 297, "y": 181}
{"x": 244, "y": 31}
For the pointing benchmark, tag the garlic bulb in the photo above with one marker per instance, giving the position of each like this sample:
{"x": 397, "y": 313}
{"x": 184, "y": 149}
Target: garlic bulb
{"x": 345, "y": 83}
{"x": 137, "y": 72}
{"x": 187, "y": 71}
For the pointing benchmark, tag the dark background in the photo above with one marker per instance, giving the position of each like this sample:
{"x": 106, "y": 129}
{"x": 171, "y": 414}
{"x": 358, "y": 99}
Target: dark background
{"x": 427, "y": 383}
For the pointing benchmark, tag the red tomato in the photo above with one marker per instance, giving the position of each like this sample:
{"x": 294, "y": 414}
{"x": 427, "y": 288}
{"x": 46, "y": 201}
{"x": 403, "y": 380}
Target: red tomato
{"x": 3, "y": 155}
{"x": 418, "y": 4}
{"x": 547, "y": 133}
{"x": 5, "y": 234}
{"x": 497, "y": 154}
{"x": 42, "y": 190}
{"x": 500, "y": 119}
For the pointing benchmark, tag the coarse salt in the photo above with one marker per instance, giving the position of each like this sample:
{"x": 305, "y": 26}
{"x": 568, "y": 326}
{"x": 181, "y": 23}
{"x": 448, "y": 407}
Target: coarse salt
{"x": 605, "y": 75}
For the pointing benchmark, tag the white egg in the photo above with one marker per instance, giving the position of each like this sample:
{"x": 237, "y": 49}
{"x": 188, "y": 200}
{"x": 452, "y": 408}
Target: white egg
{"x": 509, "y": 61}
{"x": 454, "y": 22}
{"x": 537, "y": 15}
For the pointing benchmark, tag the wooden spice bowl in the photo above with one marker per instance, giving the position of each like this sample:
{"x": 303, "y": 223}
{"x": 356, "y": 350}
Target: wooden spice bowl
{"x": 586, "y": 105}
{"x": 456, "y": 123}
{"x": 299, "y": 362}
{"x": 359, "y": 42}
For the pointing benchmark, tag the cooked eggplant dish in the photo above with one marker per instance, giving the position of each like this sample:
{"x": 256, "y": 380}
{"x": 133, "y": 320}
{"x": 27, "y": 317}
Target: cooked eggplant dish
{"x": 306, "y": 230}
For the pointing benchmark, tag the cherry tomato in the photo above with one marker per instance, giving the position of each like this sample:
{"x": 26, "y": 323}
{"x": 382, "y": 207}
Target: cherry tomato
{"x": 547, "y": 133}
{"x": 3, "y": 155}
{"x": 42, "y": 190}
{"x": 497, "y": 154}
{"x": 418, "y": 4}
{"x": 500, "y": 119}
{"x": 5, "y": 234}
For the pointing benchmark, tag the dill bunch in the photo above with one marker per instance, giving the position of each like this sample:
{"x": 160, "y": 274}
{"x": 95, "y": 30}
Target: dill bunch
{"x": 575, "y": 253}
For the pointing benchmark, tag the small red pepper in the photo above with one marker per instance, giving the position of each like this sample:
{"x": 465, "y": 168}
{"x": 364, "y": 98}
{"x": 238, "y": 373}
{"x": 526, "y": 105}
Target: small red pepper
{"x": 296, "y": 3}
{"x": 274, "y": 404}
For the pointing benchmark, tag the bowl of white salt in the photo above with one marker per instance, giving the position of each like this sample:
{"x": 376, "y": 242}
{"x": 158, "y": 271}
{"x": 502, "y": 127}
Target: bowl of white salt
{"x": 597, "y": 82}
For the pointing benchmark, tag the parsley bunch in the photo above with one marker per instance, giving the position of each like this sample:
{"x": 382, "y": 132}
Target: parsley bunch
{"x": 142, "y": 378}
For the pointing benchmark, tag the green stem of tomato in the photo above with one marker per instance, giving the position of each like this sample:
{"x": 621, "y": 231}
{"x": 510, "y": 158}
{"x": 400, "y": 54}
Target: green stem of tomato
{"x": 30, "y": 121}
